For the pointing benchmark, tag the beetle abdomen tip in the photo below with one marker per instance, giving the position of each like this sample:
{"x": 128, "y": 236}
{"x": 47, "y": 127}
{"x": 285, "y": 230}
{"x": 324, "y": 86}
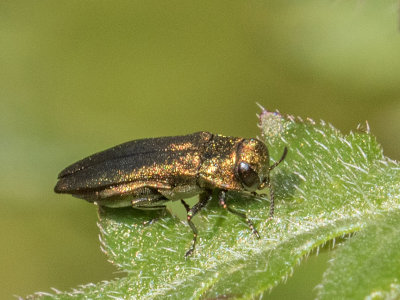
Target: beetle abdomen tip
{"x": 61, "y": 187}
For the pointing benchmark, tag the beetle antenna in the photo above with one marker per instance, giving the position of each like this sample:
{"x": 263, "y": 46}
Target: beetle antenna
{"x": 279, "y": 161}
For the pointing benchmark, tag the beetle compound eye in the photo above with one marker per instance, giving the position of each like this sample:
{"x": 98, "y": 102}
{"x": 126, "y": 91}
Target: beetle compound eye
{"x": 248, "y": 176}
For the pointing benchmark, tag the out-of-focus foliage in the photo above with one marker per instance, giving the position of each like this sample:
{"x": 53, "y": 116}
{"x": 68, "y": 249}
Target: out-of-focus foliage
{"x": 77, "y": 77}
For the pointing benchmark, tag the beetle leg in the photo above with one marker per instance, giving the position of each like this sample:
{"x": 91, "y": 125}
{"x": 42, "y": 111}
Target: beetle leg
{"x": 272, "y": 201}
{"x": 268, "y": 184}
{"x": 147, "y": 197}
{"x": 191, "y": 212}
{"x": 222, "y": 202}
{"x": 271, "y": 198}
{"x": 155, "y": 207}
{"x": 163, "y": 209}
{"x": 148, "y": 204}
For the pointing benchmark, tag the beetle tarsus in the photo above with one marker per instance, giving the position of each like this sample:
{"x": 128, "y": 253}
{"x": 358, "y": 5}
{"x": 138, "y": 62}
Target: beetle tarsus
{"x": 222, "y": 202}
{"x": 191, "y": 212}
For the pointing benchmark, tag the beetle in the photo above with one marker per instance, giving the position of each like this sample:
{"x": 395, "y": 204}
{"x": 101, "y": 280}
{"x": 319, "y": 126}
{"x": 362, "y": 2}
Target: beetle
{"x": 146, "y": 173}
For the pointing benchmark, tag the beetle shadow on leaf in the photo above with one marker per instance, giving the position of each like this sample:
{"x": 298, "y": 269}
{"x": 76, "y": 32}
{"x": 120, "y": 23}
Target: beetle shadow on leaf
{"x": 284, "y": 185}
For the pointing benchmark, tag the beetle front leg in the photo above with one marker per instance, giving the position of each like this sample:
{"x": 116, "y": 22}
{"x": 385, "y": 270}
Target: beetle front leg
{"x": 271, "y": 190}
{"x": 222, "y": 202}
{"x": 271, "y": 197}
{"x": 191, "y": 212}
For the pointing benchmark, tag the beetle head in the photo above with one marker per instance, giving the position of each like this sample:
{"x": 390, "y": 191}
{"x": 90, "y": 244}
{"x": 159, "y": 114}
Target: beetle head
{"x": 252, "y": 167}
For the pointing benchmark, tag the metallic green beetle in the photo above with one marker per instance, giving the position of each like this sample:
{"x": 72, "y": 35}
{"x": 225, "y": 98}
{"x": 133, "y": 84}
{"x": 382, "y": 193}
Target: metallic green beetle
{"x": 148, "y": 172}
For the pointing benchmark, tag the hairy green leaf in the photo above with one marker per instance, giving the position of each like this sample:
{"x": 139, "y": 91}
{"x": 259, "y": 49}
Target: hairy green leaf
{"x": 329, "y": 185}
{"x": 368, "y": 265}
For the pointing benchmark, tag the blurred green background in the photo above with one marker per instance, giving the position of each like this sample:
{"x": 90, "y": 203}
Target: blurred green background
{"x": 77, "y": 77}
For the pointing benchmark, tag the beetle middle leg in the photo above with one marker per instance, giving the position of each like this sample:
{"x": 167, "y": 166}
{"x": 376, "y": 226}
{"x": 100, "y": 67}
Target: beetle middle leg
{"x": 222, "y": 202}
{"x": 150, "y": 201}
{"x": 191, "y": 212}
